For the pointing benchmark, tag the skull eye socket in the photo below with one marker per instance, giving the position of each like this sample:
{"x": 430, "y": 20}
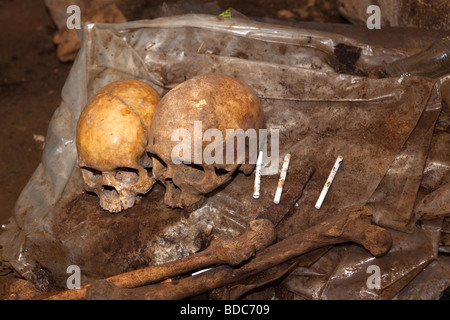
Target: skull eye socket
{"x": 193, "y": 172}
{"x": 126, "y": 175}
{"x": 91, "y": 176}
{"x": 221, "y": 172}
{"x": 158, "y": 159}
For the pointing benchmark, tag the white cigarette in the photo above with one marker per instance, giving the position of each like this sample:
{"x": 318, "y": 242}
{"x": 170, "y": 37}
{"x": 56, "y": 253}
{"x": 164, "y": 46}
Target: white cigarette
{"x": 257, "y": 185}
{"x": 201, "y": 271}
{"x": 284, "y": 169}
{"x": 327, "y": 185}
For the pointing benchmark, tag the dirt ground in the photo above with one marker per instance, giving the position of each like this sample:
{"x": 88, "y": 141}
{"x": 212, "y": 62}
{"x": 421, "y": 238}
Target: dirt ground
{"x": 31, "y": 79}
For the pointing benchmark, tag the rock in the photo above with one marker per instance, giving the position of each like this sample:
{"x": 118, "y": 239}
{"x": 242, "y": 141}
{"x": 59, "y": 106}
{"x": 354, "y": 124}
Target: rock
{"x": 67, "y": 39}
{"x": 400, "y": 13}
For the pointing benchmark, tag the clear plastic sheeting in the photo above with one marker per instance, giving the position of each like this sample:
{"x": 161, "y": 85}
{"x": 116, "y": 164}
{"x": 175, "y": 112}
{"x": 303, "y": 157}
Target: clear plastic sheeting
{"x": 350, "y": 267}
{"x": 375, "y": 124}
{"x": 394, "y": 199}
{"x": 430, "y": 283}
{"x": 432, "y": 62}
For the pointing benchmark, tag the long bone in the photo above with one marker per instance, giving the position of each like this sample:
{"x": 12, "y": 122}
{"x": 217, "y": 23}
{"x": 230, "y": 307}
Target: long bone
{"x": 261, "y": 233}
{"x": 353, "y": 224}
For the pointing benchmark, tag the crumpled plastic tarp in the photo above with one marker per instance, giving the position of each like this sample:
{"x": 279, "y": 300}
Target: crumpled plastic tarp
{"x": 382, "y": 127}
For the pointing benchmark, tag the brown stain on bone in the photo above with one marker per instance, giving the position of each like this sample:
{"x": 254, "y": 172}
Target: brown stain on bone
{"x": 124, "y": 111}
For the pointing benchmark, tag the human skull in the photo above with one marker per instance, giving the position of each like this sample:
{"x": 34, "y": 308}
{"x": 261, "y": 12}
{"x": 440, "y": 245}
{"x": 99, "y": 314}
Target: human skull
{"x": 111, "y": 141}
{"x": 219, "y": 102}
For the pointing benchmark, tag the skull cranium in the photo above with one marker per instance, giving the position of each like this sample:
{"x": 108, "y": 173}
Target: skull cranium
{"x": 217, "y": 102}
{"x": 111, "y": 141}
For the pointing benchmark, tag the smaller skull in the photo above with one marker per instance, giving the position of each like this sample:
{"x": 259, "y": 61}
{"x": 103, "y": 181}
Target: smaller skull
{"x": 111, "y": 141}
{"x": 218, "y": 102}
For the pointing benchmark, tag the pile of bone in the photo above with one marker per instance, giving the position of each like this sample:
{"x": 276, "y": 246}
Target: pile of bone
{"x": 128, "y": 138}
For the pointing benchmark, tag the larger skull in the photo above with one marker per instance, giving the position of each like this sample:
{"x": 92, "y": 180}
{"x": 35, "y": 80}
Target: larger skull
{"x": 111, "y": 141}
{"x": 220, "y": 102}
